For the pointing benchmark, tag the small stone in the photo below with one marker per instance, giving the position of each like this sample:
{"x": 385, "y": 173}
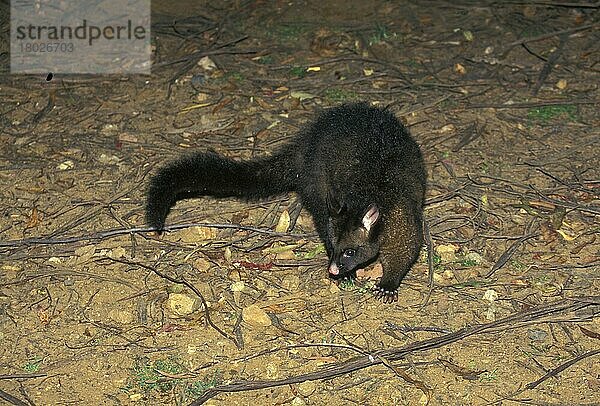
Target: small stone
{"x": 286, "y": 255}
{"x": 474, "y": 257}
{"x": 448, "y": 128}
{"x": 237, "y": 286}
{"x": 197, "y": 234}
{"x": 448, "y": 274}
{"x": 116, "y": 253}
{"x": 255, "y": 316}
{"x": 174, "y": 289}
{"x": 207, "y": 64}
{"x": 284, "y": 222}
{"x": 66, "y": 165}
{"x": 109, "y": 129}
{"x": 536, "y": 334}
{"x": 490, "y": 295}
{"x": 54, "y": 261}
{"x": 108, "y": 159}
{"x": 181, "y": 304}
{"x": 306, "y": 388}
{"x": 135, "y": 397}
{"x": 202, "y": 97}
{"x": 298, "y": 401}
{"x": 121, "y": 316}
{"x": 447, "y": 252}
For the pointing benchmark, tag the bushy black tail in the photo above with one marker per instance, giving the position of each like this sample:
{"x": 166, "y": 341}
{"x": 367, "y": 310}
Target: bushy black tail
{"x": 210, "y": 174}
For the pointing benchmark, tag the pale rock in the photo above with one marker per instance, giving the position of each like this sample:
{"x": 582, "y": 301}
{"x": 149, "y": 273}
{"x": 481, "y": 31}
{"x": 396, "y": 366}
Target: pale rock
{"x": 298, "y": 401}
{"x": 490, "y": 295}
{"x": 447, "y": 251}
{"x": 284, "y": 222}
{"x": 181, "y": 304}
{"x": 121, "y": 316}
{"x": 307, "y": 388}
{"x": 475, "y": 257}
{"x": 197, "y": 234}
{"x": 65, "y": 165}
{"x": 237, "y": 286}
{"x": 207, "y": 64}
{"x": 136, "y": 397}
{"x": 255, "y": 316}
{"x": 202, "y": 264}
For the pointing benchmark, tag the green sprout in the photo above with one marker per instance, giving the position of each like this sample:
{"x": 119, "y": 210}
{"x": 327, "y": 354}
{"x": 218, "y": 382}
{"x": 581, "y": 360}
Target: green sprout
{"x": 33, "y": 365}
{"x": 298, "y": 71}
{"x": 381, "y": 34}
{"x": 336, "y": 95}
{"x": 546, "y": 113}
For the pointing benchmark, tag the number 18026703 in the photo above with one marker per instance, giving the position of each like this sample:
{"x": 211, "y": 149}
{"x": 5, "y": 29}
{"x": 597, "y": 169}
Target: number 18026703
{"x": 47, "y": 47}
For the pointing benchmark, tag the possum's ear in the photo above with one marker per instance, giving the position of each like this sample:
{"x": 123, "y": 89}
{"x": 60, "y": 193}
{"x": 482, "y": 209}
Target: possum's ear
{"x": 334, "y": 206}
{"x": 371, "y": 216}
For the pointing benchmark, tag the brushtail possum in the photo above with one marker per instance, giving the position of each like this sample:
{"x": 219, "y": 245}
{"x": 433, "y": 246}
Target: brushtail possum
{"x": 358, "y": 173}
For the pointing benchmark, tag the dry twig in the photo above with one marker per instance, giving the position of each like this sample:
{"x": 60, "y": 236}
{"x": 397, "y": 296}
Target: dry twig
{"x": 393, "y": 354}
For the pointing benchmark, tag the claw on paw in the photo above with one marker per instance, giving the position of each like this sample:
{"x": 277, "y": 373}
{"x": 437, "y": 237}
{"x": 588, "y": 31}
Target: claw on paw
{"x": 385, "y": 296}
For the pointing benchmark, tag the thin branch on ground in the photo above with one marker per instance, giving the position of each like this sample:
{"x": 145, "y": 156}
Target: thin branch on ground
{"x": 507, "y": 255}
{"x": 11, "y": 399}
{"x": 139, "y": 230}
{"x": 394, "y": 354}
{"x": 23, "y": 376}
{"x": 190, "y": 286}
{"x": 561, "y": 368}
{"x": 526, "y": 105}
{"x": 430, "y": 272}
{"x": 541, "y": 37}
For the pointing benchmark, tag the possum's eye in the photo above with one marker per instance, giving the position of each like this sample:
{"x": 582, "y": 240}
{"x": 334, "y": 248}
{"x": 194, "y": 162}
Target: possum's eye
{"x": 350, "y": 252}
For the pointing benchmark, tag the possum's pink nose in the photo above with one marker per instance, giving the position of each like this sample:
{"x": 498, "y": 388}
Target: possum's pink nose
{"x": 333, "y": 269}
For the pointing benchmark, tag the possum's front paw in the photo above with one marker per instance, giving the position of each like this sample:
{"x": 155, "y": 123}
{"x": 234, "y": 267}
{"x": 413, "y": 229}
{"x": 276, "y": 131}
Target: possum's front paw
{"x": 386, "y": 296}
